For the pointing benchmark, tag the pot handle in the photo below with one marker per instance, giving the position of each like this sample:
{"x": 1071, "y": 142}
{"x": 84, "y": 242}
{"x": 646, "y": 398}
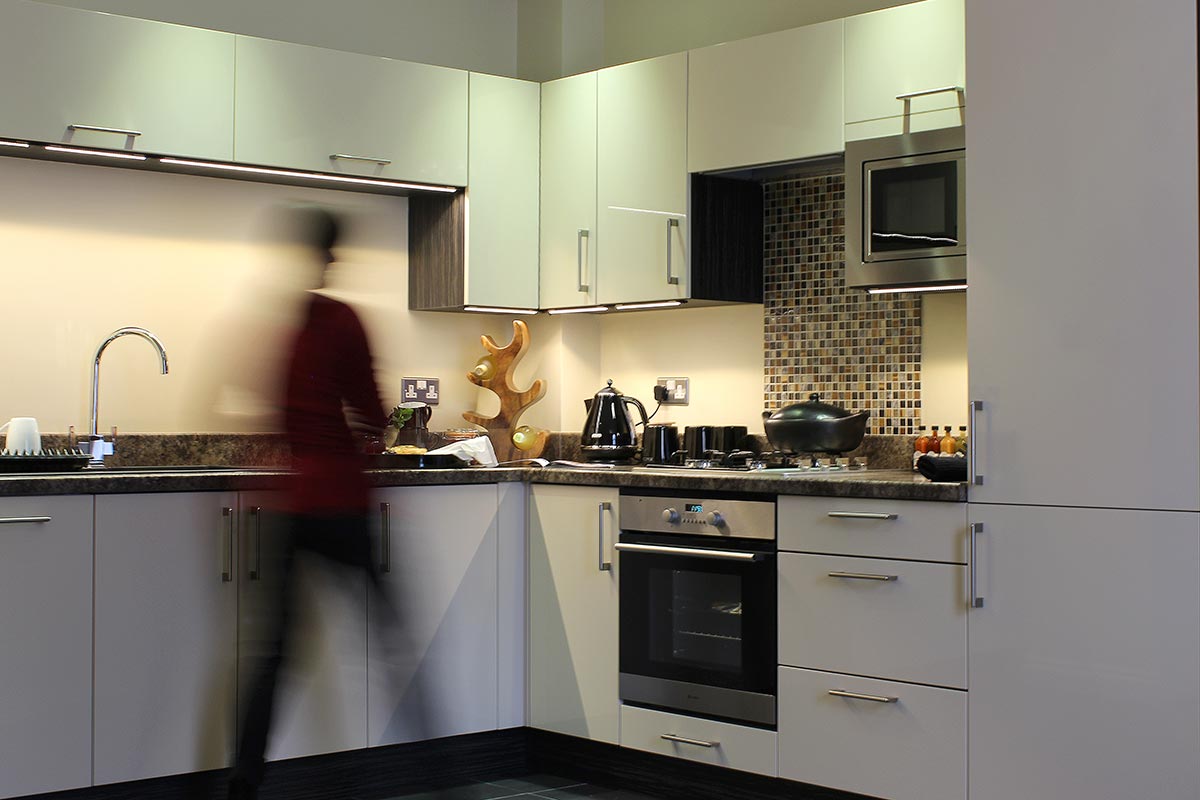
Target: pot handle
{"x": 641, "y": 408}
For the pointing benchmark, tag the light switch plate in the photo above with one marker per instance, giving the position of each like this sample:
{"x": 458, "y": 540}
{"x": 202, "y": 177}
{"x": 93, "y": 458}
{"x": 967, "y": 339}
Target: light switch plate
{"x": 419, "y": 390}
{"x": 677, "y": 391}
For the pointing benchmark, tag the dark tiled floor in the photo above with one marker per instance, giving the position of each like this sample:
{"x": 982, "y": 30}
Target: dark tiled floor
{"x": 530, "y": 787}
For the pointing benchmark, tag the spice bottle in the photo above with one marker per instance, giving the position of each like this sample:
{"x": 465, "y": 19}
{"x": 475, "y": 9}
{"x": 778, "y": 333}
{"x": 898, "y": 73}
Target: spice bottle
{"x": 961, "y": 440}
{"x": 921, "y": 447}
{"x": 949, "y": 445}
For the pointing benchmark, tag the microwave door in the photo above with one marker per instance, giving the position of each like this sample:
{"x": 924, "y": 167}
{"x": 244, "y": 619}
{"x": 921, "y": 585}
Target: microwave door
{"x": 913, "y": 208}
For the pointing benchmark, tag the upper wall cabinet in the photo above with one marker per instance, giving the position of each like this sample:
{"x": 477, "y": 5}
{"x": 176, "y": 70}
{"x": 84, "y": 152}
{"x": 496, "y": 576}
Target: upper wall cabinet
{"x": 100, "y": 80}
{"x": 317, "y": 109}
{"x": 766, "y": 99}
{"x": 907, "y": 50}
{"x": 642, "y": 182}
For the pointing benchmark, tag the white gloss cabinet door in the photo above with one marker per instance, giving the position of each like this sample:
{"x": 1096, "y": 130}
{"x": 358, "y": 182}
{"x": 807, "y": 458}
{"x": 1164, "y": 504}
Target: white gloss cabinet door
{"x": 568, "y": 207}
{"x": 297, "y": 106}
{"x": 1085, "y": 657}
{"x": 502, "y": 234}
{"x": 765, "y": 99}
{"x": 573, "y": 665}
{"x": 642, "y": 180}
{"x": 903, "y": 50}
{"x": 166, "y": 634}
{"x": 46, "y": 657}
{"x": 1090, "y": 309}
{"x": 433, "y": 672}
{"x": 172, "y": 84}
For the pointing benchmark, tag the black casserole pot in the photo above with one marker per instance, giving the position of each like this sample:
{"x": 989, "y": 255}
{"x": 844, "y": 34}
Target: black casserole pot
{"x": 815, "y": 427}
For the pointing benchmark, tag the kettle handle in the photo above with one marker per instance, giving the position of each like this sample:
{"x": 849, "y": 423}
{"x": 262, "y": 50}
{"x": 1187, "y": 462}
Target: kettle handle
{"x": 641, "y": 408}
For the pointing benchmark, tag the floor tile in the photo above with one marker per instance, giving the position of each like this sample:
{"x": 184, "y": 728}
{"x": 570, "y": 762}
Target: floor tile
{"x": 590, "y": 792}
{"x": 475, "y": 791}
{"x": 536, "y": 783}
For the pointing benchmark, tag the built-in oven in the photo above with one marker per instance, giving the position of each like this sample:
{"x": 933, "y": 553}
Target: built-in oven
{"x": 906, "y": 210}
{"x": 698, "y": 605}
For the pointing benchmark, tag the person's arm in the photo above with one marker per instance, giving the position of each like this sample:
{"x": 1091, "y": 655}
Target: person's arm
{"x": 361, "y": 390}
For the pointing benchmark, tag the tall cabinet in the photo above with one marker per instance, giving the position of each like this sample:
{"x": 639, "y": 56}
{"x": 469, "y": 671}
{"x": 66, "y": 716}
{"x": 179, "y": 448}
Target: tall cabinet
{"x": 1084, "y": 675}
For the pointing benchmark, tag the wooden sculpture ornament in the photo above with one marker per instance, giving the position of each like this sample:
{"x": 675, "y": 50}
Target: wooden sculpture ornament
{"x": 494, "y": 373}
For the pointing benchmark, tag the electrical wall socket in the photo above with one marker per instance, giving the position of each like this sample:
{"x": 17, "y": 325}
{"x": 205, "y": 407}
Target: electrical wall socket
{"x": 420, "y": 390}
{"x": 677, "y": 391}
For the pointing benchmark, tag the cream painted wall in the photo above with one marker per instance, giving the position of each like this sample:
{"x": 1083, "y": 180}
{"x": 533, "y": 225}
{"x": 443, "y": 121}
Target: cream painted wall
{"x": 944, "y": 359}
{"x": 91, "y": 249}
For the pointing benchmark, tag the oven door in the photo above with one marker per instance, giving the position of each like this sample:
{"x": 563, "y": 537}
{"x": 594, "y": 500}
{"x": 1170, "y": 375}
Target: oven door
{"x": 698, "y": 625}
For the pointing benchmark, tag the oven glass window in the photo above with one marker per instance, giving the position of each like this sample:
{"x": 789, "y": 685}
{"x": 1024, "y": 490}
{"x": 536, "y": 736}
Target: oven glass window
{"x": 697, "y": 620}
{"x": 914, "y": 207}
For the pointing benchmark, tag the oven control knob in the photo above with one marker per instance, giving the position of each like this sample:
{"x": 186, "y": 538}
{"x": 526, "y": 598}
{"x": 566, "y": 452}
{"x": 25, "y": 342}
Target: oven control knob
{"x": 671, "y": 516}
{"x": 715, "y": 519}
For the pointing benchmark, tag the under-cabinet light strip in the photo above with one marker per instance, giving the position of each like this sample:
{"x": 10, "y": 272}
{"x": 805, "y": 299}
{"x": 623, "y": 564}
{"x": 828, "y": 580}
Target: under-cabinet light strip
{"x": 102, "y": 153}
{"x": 583, "y": 310}
{"x": 954, "y": 287}
{"x": 659, "y": 304}
{"x": 318, "y": 176}
{"x": 14, "y": 144}
{"x": 492, "y": 310}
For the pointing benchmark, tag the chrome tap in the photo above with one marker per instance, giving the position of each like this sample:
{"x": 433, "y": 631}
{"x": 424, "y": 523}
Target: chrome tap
{"x": 99, "y": 447}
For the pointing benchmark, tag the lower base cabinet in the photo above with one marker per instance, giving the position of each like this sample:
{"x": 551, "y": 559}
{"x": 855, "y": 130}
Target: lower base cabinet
{"x": 706, "y": 741}
{"x": 45, "y": 644}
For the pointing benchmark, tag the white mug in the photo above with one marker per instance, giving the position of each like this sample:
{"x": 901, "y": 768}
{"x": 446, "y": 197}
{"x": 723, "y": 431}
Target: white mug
{"x": 23, "y": 436}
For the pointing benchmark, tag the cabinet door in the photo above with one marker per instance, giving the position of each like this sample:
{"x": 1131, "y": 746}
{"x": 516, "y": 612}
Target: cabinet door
{"x": 1085, "y": 657}
{"x": 502, "y": 229}
{"x": 166, "y": 634}
{"x": 641, "y": 158}
{"x": 46, "y": 659}
{"x": 766, "y": 99}
{"x": 321, "y": 704}
{"x": 297, "y": 106}
{"x": 1083, "y": 304}
{"x": 433, "y": 672}
{"x": 568, "y": 210}
{"x": 573, "y": 665}
{"x": 171, "y": 83}
{"x": 896, "y": 51}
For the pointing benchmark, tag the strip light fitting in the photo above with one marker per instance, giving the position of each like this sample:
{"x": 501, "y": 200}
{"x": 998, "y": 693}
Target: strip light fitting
{"x": 493, "y": 310}
{"x": 583, "y": 310}
{"x": 316, "y": 176}
{"x": 14, "y": 144}
{"x": 659, "y": 304}
{"x": 102, "y": 153}
{"x": 953, "y": 287}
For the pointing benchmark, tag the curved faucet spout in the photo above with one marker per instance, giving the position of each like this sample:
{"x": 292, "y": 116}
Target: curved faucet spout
{"x": 117, "y": 334}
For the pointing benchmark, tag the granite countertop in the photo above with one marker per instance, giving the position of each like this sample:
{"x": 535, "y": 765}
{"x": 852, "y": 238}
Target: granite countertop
{"x": 882, "y": 484}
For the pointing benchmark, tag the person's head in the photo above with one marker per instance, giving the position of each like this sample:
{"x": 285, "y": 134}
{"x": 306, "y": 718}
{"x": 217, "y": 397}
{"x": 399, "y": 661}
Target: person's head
{"x": 313, "y": 230}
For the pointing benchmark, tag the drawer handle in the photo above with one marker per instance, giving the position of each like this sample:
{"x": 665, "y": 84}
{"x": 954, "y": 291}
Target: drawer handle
{"x": 861, "y": 515}
{"x": 874, "y": 698}
{"x": 383, "y": 162}
{"x": 864, "y": 576}
{"x": 22, "y": 520}
{"x": 102, "y": 129}
{"x": 670, "y": 737}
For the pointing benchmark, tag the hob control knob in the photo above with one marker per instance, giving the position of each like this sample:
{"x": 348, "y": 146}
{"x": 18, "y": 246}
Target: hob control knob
{"x": 671, "y": 516}
{"x": 715, "y": 519}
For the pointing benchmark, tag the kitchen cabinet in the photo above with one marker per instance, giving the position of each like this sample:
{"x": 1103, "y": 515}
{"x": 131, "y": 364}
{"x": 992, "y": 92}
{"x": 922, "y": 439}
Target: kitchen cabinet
{"x": 573, "y": 638}
{"x": 321, "y": 704}
{"x": 568, "y": 192}
{"x": 165, "y": 634}
{"x": 300, "y": 107}
{"x": 481, "y": 247}
{"x": 434, "y": 671}
{"x": 171, "y": 86}
{"x": 1083, "y": 304}
{"x": 909, "y": 49}
{"x": 721, "y": 744}
{"x": 642, "y": 181}
{"x": 1085, "y": 656}
{"x": 765, "y": 99}
{"x": 46, "y": 660}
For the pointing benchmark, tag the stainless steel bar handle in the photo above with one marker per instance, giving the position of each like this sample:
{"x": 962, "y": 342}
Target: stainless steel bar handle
{"x": 671, "y": 278}
{"x": 670, "y": 737}
{"x": 861, "y": 515}
{"x": 924, "y": 92}
{"x": 974, "y": 529}
{"x": 605, "y": 566}
{"x": 580, "y": 248}
{"x": 256, "y": 516}
{"x": 227, "y": 550}
{"x": 22, "y": 520}
{"x": 383, "y": 162}
{"x": 864, "y": 576}
{"x": 973, "y": 476}
{"x": 385, "y": 537}
{"x": 695, "y": 552}
{"x": 103, "y": 129}
{"x": 875, "y": 698}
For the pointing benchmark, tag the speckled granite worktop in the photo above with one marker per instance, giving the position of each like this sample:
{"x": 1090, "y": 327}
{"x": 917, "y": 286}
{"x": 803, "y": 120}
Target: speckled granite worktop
{"x": 882, "y": 484}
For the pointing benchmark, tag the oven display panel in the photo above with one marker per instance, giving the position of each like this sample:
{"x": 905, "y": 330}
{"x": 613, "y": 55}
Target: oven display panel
{"x": 694, "y": 508}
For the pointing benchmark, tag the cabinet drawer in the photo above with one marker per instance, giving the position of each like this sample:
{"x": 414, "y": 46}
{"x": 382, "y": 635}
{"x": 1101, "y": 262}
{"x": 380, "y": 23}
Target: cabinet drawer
{"x": 902, "y": 620}
{"x": 908, "y": 744}
{"x": 732, "y": 746}
{"x": 874, "y": 528}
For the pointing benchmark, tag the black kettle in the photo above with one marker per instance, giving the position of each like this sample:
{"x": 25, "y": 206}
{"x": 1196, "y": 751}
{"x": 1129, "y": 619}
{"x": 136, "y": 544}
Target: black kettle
{"x": 609, "y": 434}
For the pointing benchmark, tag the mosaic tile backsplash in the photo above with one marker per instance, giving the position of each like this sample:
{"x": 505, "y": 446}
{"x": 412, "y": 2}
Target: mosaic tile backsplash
{"x": 857, "y": 351}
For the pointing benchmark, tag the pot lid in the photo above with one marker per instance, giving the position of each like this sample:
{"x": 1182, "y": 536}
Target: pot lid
{"x": 812, "y": 409}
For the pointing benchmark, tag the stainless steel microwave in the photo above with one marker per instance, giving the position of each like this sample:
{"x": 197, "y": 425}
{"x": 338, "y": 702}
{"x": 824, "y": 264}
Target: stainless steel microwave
{"x": 906, "y": 210}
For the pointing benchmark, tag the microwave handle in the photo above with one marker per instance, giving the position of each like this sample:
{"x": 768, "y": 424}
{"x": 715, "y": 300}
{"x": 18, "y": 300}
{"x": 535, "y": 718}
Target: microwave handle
{"x": 924, "y": 92}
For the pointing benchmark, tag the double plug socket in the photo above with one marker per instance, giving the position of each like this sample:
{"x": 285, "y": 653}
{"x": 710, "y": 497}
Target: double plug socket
{"x": 672, "y": 391}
